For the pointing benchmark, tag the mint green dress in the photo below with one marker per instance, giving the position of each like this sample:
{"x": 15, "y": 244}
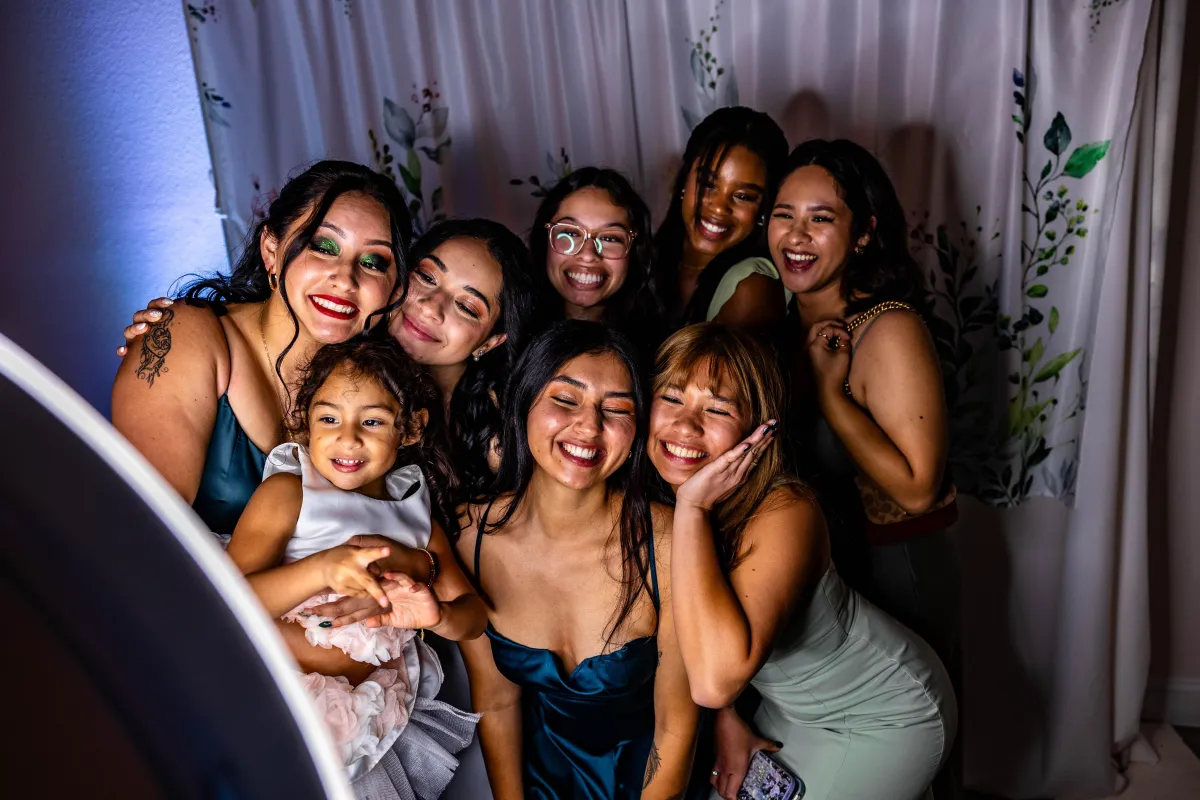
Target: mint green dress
{"x": 862, "y": 705}
{"x": 738, "y": 273}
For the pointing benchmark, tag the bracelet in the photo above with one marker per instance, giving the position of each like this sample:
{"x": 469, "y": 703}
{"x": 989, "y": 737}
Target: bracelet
{"x": 433, "y": 570}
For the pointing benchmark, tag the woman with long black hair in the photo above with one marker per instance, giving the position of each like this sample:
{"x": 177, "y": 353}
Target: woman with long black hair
{"x": 579, "y": 678}
{"x": 710, "y": 251}
{"x": 204, "y": 389}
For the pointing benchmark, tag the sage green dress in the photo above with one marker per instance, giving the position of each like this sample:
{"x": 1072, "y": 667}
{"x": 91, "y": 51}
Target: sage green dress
{"x": 862, "y": 705}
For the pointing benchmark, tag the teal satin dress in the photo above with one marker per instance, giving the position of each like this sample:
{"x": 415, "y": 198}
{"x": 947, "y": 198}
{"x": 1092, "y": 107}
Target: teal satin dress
{"x": 585, "y": 734}
{"x": 233, "y": 468}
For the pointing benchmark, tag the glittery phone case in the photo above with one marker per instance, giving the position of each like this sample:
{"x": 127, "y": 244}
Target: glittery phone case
{"x": 767, "y": 779}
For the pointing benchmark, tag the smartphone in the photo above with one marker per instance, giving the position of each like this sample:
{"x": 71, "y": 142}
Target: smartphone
{"x": 767, "y": 779}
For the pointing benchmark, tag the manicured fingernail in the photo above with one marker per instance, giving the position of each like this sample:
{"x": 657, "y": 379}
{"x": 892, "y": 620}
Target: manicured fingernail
{"x": 168, "y": 302}
{"x": 326, "y": 624}
{"x": 773, "y": 426}
{"x": 779, "y": 744}
{"x": 154, "y": 314}
{"x": 141, "y": 326}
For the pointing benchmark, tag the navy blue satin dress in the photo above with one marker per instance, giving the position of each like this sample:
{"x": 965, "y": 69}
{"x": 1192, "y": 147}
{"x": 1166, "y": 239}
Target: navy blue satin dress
{"x": 233, "y": 469}
{"x": 586, "y": 734}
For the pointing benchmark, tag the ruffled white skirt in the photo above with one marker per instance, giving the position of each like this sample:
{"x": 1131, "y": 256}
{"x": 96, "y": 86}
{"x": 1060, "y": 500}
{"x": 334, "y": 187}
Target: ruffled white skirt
{"x": 366, "y": 721}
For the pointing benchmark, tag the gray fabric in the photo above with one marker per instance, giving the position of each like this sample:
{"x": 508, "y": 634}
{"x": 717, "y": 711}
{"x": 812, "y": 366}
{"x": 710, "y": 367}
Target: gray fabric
{"x": 421, "y": 764}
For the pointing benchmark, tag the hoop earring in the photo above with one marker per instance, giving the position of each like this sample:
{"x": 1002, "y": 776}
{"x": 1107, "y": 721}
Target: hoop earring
{"x": 272, "y": 281}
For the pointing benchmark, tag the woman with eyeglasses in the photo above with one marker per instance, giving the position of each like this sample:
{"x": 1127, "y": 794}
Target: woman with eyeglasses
{"x": 710, "y": 250}
{"x": 592, "y": 234}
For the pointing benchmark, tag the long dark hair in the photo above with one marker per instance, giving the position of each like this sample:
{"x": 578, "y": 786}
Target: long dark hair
{"x": 474, "y": 417}
{"x": 542, "y": 360}
{"x": 312, "y": 192}
{"x": 885, "y": 270}
{"x": 717, "y": 134}
{"x": 638, "y": 298}
{"x": 376, "y": 356}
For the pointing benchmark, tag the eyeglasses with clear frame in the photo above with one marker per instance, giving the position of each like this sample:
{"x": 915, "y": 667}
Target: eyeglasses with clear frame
{"x": 567, "y": 239}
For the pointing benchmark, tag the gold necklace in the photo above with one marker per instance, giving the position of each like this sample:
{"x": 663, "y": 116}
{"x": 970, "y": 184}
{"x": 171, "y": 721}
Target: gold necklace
{"x": 875, "y": 311}
{"x": 262, "y": 331}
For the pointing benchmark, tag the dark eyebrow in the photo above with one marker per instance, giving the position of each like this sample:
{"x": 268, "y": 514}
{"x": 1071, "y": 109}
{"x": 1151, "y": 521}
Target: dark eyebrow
{"x": 753, "y": 186}
{"x": 578, "y": 384}
{"x": 614, "y": 224}
{"x": 390, "y": 409}
{"x": 327, "y": 403}
{"x": 342, "y": 233}
{"x": 468, "y": 289}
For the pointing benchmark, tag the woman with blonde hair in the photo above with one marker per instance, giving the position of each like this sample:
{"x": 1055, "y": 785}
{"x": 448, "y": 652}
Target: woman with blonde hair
{"x": 854, "y": 705}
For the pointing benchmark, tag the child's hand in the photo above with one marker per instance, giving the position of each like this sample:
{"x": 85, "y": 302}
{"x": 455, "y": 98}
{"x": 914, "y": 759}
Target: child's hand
{"x": 344, "y": 570}
{"x": 413, "y": 605}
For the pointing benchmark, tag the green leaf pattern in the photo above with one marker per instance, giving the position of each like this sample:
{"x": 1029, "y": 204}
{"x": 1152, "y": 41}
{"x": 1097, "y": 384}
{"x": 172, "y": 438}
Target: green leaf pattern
{"x": 425, "y": 134}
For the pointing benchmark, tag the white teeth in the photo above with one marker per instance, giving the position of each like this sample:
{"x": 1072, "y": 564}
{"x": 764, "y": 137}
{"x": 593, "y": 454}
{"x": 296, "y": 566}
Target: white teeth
{"x": 683, "y": 452}
{"x": 586, "y": 453}
{"x": 332, "y": 306}
{"x": 708, "y": 226}
{"x": 806, "y": 258}
{"x": 348, "y": 462}
{"x": 585, "y": 277}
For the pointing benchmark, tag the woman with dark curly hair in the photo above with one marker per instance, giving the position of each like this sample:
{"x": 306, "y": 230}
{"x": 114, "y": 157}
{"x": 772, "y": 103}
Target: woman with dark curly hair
{"x": 869, "y": 374}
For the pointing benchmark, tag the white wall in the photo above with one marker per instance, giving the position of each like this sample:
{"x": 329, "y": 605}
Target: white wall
{"x": 105, "y": 195}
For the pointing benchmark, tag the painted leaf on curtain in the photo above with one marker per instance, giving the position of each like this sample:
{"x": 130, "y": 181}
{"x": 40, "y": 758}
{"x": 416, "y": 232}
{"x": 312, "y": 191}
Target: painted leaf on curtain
{"x": 1003, "y": 465}
{"x": 424, "y": 134}
{"x": 716, "y": 85}
{"x": 558, "y": 168}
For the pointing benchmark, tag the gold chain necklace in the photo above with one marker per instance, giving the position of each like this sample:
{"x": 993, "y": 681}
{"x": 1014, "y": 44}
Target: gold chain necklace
{"x": 875, "y": 311}
{"x": 262, "y": 331}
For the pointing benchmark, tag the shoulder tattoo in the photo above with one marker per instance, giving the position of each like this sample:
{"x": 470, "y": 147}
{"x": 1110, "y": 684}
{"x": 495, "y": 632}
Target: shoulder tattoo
{"x": 155, "y": 345}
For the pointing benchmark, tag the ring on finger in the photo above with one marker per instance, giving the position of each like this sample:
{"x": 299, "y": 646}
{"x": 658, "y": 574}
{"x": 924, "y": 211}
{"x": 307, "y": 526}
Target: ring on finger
{"x": 715, "y": 773}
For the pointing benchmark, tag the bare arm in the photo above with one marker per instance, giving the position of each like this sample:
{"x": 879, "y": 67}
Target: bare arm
{"x": 757, "y": 303}
{"x": 165, "y": 394}
{"x": 258, "y": 544}
{"x": 675, "y": 715}
{"x": 499, "y": 701}
{"x": 727, "y": 626}
{"x": 900, "y": 440}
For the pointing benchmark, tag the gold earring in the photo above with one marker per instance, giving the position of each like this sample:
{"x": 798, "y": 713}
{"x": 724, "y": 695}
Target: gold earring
{"x": 272, "y": 280}
{"x": 859, "y": 249}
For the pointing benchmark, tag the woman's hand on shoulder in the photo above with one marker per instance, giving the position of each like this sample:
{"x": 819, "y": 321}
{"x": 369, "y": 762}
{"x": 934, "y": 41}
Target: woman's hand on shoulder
{"x": 166, "y": 391}
{"x": 143, "y": 319}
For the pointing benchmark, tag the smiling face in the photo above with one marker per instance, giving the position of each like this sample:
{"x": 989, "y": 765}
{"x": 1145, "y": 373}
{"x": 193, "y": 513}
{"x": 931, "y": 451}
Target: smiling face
{"x": 582, "y": 425}
{"x": 693, "y": 423}
{"x": 731, "y": 204}
{"x": 585, "y": 280}
{"x": 346, "y": 273}
{"x": 354, "y": 432}
{"x": 452, "y": 305}
{"x": 810, "y": 232}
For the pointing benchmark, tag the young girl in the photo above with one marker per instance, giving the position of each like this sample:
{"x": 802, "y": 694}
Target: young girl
{"x": 362, "y": 415}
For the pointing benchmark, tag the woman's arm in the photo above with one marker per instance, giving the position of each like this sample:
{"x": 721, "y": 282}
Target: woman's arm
{"x": 499, "y": 701}
{"x": 675, "y": 715}
{"x": 452, "y": 610}
{"x": 165, "y": 395}
{"x": 757, "y": 303}
{"x": 727, "y": 626}
{"x": 900, "y": 440}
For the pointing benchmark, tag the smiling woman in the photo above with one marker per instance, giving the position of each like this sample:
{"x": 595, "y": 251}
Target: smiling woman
{"x": 583, "y": 693}
{"x": 203, "y": 392}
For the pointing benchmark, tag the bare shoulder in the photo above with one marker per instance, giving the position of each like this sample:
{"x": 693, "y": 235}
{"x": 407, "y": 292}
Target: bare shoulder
{"x": 470, "y": 519}
{"x": 786, "y": 511}
{"x": 188, "y": 340}
{"x": 897, "y": 331}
